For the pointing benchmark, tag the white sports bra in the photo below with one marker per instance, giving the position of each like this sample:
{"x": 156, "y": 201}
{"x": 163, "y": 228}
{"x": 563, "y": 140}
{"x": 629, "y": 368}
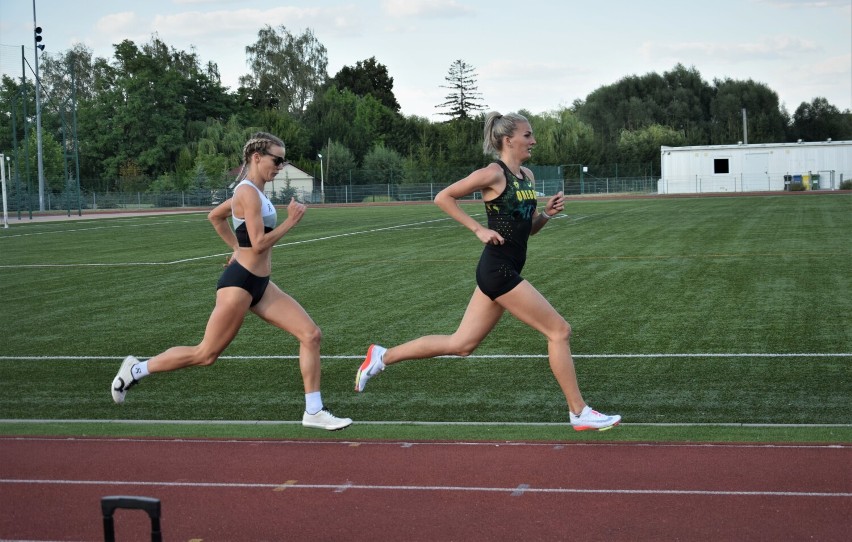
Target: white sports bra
{"x": 268, "y": 213}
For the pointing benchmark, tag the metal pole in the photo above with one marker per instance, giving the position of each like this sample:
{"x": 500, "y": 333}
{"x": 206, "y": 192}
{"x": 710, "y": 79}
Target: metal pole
{"x": 38, "y": 119}
{"x": 75, "y": 139}
{"x": 322, "y": 181}
{"x": 26, "y": 135}
{"x": 3, "y": 183}
{"x": 17, "y": 176}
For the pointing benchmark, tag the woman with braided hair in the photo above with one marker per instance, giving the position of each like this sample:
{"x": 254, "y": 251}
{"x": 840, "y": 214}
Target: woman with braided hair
{"x": 508, "y": 189}
{"x": 245, "y": 286}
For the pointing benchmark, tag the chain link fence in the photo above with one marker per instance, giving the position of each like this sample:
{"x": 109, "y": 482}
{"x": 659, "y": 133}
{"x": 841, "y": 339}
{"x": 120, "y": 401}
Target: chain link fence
{"x": 23, "y": 197}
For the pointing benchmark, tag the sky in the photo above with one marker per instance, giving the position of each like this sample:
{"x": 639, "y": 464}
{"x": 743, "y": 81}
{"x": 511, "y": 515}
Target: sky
{"x": 536, "y": 55}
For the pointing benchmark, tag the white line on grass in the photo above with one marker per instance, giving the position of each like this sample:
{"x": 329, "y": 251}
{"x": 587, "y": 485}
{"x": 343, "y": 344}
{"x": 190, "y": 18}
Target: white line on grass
{"x": 92, "y": 228}
{"x": 223, "y": 254}
{"x": 512, "y": 491}
{"x": 47, "y": 421}
{"x": 483, "y": 356}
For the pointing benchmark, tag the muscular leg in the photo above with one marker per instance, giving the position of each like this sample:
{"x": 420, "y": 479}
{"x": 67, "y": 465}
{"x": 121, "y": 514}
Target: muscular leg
{"x": 479, "y": 319}
{"x": 526, "y": 304}
{"x": 222, "y": 326}
{"x": 284, "y": 312}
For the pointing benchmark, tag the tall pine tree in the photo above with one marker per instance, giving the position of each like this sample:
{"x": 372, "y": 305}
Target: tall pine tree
{"x": 464, "y": 98}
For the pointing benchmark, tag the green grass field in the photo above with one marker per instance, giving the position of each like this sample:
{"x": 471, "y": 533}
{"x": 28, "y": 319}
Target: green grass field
{"x": 707, "y": 318}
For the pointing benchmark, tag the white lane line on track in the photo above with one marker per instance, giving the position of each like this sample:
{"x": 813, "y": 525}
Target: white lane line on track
{"x": 408, "y": 444}
{"x": 512, "y": 491}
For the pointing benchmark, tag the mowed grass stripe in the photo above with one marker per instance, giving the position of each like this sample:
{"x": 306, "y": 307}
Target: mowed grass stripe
{"x": 697, "y": 278}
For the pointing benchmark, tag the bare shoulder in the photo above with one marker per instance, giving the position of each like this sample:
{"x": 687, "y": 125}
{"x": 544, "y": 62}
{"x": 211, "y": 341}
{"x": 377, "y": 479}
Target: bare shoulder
{"x": 484, "y": 178}
{"x": 490, "y": 175}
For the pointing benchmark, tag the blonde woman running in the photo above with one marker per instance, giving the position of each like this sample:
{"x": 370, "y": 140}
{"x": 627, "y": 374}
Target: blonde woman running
{"x": 245, "y": 286}
{"x": 510, "y": 204}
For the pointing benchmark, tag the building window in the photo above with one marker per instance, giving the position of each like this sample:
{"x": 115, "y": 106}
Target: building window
{"x": 720, "y": 165}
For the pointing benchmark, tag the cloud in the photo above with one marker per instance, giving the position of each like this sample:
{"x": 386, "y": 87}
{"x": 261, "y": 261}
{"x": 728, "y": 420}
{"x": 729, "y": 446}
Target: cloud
{"x": 512, "y": 70}
{"x": 817, "y": 4}
{"x": 117, "y": 27}
{"x": 215, "y": 23}
{"x": 426, "y": 8}
{"x": 767, "y": 49}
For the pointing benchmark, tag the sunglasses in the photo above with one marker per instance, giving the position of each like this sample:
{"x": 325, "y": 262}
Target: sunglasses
{"x": 277, "y": 160}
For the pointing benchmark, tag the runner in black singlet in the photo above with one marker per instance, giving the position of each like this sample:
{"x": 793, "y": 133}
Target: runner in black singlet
{"x": 510, "y": 215}
{"x": 510, "y": 203}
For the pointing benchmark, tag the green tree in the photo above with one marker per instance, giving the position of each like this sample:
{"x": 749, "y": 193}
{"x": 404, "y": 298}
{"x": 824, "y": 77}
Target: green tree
{"x": 464, "y": 99}
{"x": 139, "y": 116}
{"x": 68, "y": 76}
{"x": 17, "y": 104}
{"x": 384, "y": 166}
{"x": 562, "y": 138}
{"x": 357, "y": 122}
{"x": 340, "y": 162}
{"x": 643, "y": 146}
{"x": 286, "y": 70}
{"x": 368, "y": 77}
{"x": 55, "y": 175}
{"x": 766, "y": 122}
{"x": 819, "y": 121}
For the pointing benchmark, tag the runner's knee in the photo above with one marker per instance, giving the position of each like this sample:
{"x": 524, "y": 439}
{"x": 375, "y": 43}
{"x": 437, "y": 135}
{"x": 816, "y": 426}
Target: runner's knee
{"x": 464, "y": 347}
{"x": 562, "y": 332}
{"x": 312, "y": 338}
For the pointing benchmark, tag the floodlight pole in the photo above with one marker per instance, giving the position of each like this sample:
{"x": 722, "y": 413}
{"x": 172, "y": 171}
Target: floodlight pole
{"x": 322, "y": 181}
{"x": 3, "y": 159}
{"x": 40, "y": 156}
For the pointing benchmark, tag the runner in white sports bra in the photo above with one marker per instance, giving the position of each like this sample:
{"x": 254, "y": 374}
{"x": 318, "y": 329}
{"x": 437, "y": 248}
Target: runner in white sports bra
{"x": 269, "y": 216}
{"x": 245, "y": 286}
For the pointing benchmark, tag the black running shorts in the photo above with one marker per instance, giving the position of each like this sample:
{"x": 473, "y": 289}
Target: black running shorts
{"x": 237, "y": 275}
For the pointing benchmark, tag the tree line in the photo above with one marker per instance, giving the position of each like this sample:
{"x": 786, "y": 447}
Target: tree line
{"x": 154, "y": 118}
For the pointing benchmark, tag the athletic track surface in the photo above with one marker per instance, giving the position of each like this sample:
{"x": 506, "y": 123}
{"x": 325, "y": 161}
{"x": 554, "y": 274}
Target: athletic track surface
{"x": 244, "y": 490}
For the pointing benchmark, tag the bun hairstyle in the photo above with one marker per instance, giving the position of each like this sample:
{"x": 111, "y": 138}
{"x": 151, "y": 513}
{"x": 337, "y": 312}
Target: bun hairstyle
{"x": 259, "y": 142}
{"x": 497, "y": 127}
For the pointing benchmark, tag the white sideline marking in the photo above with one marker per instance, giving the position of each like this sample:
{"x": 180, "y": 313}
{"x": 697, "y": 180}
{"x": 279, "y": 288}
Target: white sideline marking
{"x": 223, "y": 254}
{"x": 512, "y": 491}
{"x": 485, "y": 356}
{"x": 404, "y": 422}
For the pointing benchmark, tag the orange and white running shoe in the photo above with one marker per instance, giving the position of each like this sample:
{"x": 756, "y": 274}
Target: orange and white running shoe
{"x": 372, "y": 366}
{"x": 592, "y": 420}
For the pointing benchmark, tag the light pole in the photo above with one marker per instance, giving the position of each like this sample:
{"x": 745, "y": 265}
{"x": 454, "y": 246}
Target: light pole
{"x": 322, "y": 181}
{"x": 40, "y": 156}
{"x": 3, "y": 186}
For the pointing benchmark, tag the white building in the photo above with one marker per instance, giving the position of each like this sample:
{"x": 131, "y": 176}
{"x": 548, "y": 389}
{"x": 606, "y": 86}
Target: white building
{"x": 761, "y": 167}
{"x": 298, "y": 180}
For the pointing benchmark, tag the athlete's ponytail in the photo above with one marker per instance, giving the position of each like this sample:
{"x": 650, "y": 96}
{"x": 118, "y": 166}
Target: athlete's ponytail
{"x": 497, "y": 127}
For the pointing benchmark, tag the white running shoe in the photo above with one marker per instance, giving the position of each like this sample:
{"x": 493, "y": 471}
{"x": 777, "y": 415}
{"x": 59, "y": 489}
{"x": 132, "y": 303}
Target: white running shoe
{"x": 372, "y": 366}
{"x": 124, "y": 380}
{"x": 325, "y": 420}
{"x": 593, "y": 420}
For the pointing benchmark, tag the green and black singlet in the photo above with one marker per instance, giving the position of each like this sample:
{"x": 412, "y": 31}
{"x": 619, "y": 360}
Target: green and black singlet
{"x": 509, "y": 214}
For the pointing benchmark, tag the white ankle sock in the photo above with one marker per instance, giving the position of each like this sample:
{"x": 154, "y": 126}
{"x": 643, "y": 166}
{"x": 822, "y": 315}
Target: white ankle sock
{"x": 140, "y": 370}
{"x": 313, "y": 402}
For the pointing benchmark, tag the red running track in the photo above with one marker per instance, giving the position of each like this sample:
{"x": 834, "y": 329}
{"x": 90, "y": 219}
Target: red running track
{"x": 50, "y": 489}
